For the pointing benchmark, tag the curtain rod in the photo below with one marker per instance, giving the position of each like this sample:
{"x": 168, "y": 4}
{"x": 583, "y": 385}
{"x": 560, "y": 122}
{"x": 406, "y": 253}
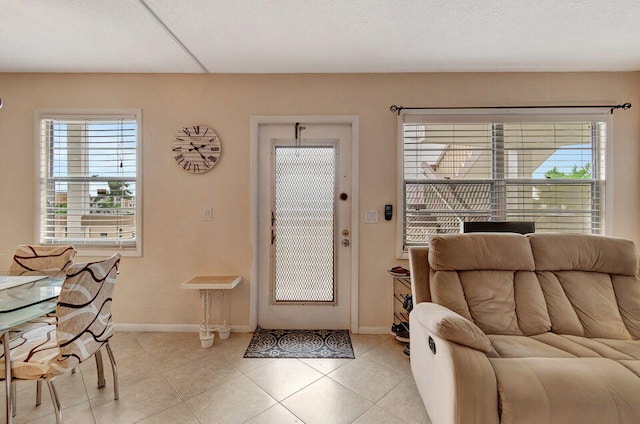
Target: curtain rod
{"x": 625, "y": 106}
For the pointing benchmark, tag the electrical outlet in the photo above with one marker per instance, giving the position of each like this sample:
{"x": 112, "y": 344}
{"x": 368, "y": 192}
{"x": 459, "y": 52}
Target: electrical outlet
{"x": 208, "y": 214}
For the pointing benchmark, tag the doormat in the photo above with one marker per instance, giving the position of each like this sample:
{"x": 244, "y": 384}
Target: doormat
{"x": 300, "y": 344}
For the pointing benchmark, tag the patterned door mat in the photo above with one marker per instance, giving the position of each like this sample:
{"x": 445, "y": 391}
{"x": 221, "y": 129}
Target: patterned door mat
{"x": 300, "y": 344}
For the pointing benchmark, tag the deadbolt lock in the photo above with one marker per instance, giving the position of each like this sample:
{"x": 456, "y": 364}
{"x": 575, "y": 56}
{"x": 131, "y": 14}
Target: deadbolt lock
{"x": 345, "y": 232}
{"x": 345, "y": 242}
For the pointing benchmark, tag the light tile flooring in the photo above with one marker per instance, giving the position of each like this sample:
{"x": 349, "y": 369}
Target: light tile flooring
{"x": 169, "y": 378}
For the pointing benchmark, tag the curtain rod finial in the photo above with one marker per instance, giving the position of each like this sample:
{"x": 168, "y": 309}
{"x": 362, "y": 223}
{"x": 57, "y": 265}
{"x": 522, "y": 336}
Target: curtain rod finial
{"x": 624, "y": 106}
{"x": 396, "y": 109}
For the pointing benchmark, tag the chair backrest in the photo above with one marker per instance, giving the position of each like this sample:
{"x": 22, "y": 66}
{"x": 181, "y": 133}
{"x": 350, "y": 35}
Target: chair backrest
{"x": 84, "y": 310}
{"x": 42, "y": 258}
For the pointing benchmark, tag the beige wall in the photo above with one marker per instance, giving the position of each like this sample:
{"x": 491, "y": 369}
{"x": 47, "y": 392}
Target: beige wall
{"x": 179, "y": 244}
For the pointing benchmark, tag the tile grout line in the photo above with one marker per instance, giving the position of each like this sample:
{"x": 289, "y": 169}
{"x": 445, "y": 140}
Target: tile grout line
{"x": 86, "y": 390}
{"x": 228, "y": 358}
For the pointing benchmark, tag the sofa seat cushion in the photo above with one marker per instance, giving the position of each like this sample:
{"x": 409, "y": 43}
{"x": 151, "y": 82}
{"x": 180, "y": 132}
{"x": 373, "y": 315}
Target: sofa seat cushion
{"x": 633, "y": 366}
{"x": 612, "y": 349}
{"x": 566, "y": 345}
{"x": 627, "y": 347}
{"x": 525, "y": 347}
{"x": 566, "y": 391}
{"x": 550, "y": 345}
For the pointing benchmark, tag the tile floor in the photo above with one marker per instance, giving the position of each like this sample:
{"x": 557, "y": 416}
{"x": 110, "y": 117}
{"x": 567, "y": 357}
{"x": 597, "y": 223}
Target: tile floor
{"x": 169, "y": 378}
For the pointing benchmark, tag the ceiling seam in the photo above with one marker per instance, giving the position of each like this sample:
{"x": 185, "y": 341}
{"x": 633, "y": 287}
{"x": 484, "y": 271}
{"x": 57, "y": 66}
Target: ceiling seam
{"x": 175, "y": 37}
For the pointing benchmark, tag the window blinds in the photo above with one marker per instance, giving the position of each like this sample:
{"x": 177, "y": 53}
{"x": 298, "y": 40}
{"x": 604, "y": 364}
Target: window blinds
{"x": 550, "y": 171}
{"x": 89, "y": 181}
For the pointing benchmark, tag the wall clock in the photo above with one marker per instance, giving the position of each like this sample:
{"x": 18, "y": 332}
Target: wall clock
{"x": 196, "y": 149}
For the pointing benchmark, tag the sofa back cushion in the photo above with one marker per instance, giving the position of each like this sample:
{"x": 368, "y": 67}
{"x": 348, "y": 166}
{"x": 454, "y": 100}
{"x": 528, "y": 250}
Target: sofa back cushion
{"x": 479, "y": 251}
{"x": 580, "y": 252}
{"x": 590, "y": 284}
{"x": 573, "y": 284}
{"x": 490, "y": 280}
{"x": 627, "y": 289}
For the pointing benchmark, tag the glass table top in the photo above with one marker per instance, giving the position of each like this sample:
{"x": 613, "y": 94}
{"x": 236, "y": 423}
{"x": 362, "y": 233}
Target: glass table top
{"x": 31, "y": 293}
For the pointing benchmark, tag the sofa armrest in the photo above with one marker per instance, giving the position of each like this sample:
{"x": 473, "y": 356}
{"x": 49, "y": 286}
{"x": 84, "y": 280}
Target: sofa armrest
{"x": 451, "y": 326}
{"x": 456, "y": 382}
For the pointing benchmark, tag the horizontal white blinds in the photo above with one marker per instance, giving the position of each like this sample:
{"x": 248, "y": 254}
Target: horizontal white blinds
{"x": 551, "y": 173}
{"x": 89, "y": 181}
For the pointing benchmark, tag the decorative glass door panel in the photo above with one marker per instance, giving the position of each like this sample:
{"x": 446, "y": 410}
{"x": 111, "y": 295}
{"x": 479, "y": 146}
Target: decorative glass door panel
{"x": 303, "y": 224}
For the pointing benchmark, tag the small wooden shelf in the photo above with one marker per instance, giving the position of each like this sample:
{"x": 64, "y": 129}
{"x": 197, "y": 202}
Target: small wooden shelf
{"x": 212, "y": 282}
{"x": 207, "y": 283}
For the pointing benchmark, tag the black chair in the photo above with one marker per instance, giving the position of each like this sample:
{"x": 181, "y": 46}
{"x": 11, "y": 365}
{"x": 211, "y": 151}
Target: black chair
{"x": 521, "y": 227}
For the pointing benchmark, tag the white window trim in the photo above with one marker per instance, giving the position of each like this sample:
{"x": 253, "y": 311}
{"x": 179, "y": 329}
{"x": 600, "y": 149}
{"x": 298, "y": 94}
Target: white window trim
{"x": 69, "y": 114}
{"x": 503, "y": 115}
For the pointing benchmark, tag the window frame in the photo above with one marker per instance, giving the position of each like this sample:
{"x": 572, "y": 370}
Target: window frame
{"x": 89, "y": 114}
{"x": 501, "y": 115}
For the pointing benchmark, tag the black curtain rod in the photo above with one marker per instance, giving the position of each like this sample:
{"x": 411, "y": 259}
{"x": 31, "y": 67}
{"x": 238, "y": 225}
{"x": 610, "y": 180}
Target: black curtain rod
{"x": 625, "y": 106}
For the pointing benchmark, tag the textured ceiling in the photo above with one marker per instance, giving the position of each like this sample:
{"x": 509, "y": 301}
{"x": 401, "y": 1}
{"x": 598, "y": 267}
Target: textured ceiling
{"x": 263, "y": 36}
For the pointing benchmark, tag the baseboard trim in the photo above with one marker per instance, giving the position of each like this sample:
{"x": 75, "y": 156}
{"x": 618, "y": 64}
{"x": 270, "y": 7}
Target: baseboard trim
{"x": 175, "y": 328}
{"x": 374, "y": 330}
{"x": 193, "y": 328}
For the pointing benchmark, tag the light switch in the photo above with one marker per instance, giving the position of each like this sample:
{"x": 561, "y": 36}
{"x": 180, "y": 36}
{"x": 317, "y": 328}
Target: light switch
{"x": 208, "y": 214}
{"x": 371, "y": 216}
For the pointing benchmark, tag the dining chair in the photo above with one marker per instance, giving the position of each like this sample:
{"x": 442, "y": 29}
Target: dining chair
{"x": 84, "y": 325}
{"x": 42, "y": 258}
{"x": 28, "y": 258}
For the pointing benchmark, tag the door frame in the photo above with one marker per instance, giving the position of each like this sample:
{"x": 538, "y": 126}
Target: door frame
{"x": 256, "y": 122}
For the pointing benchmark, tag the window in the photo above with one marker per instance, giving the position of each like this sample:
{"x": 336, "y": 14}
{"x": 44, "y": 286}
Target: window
{"x": 545, "y": 167}
{"x": 90, "y": 180}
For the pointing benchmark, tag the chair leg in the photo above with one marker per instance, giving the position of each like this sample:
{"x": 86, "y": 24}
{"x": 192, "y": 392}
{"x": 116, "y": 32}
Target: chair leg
{"x": 56, "y": 401}
{"x": 100, "y": 368}
{"x": 14, "y": 398}
{"x": 38, "y": 392}
{"x": 114, "y": 368}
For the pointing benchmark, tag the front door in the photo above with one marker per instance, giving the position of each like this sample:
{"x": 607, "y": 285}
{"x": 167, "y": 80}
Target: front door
{"x": 304, "y": 226}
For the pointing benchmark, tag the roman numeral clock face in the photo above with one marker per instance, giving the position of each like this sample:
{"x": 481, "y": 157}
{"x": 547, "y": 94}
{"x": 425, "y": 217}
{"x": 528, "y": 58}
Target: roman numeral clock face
{"x": 196, "y": 149}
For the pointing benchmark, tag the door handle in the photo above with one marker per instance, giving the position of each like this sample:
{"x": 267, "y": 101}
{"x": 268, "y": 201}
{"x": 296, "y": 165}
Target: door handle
{"x": 345, "y": 242}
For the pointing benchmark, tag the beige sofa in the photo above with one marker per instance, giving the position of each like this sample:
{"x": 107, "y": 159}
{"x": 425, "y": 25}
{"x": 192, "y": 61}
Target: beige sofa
{"x": 542, "y": 328}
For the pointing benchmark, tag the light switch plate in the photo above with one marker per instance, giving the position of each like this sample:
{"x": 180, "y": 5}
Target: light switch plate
{"x": 208, "y": 214}
{"x": 371, "y": 216}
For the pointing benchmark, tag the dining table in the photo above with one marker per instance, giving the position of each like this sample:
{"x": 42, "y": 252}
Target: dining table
{"x": 23, "y": 297}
